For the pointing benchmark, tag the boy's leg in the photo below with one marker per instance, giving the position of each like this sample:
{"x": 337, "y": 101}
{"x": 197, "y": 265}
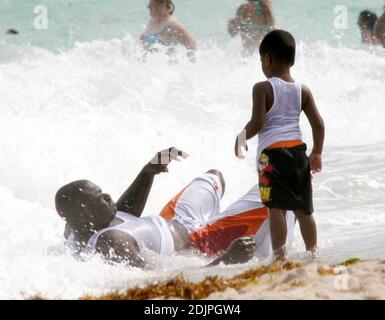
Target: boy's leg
{"x": 249, "y": 213}
{"x": 278, "y": 232}
{"x": 308, "y": 230}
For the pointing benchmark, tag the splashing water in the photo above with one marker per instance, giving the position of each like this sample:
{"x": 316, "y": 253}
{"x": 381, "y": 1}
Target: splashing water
{"x": 96, "y": 111}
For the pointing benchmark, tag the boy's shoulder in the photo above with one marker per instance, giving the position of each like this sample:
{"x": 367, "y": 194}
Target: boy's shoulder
{"x": 306, "y": 93}
{"x": 305, "y": 88}
{"x": 263, "y": 87}
{"x": 263, "y": 91}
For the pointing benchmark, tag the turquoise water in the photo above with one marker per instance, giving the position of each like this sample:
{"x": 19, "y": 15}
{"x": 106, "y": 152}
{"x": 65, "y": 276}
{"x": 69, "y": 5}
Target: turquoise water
{"x": 87, "y": 20}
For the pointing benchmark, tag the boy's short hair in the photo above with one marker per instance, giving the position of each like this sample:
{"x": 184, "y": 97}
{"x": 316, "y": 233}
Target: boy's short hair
{"x": 367, "y": 19}
{"x": 280, "y": 45}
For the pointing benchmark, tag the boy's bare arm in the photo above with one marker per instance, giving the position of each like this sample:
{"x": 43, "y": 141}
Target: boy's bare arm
{"x": 318, "y": 128}
{"x": 260, "y": 92}
{"x": 315, "y": 119}
{"x": 257, "y": 120}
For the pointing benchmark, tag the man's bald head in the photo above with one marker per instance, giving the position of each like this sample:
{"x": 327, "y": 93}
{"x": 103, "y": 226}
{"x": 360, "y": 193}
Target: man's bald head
{"x": 83, "y": 205}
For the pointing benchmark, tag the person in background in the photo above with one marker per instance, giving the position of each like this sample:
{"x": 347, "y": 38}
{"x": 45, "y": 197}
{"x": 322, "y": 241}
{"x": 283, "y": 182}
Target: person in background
{"x": 12, "y": 31}
{"x": 253, "y": 21}
{"x": 366, "y": 22}
{"x": 165, "y": 30}
{"x": 379, "y": 30}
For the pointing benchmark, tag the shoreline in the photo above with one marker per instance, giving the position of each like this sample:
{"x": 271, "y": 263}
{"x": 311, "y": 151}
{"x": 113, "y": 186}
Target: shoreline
{"x": 352, "y": 279}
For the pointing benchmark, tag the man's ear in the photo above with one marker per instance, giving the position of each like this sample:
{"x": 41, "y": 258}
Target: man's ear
{"x": 266, "y": 59}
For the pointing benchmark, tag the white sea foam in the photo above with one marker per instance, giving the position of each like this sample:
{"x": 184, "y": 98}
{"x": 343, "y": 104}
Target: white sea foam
{"x": 99, "y": 112}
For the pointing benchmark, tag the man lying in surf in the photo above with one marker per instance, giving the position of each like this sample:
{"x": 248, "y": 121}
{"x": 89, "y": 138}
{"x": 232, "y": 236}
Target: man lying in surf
{"x": 191, "y": 220}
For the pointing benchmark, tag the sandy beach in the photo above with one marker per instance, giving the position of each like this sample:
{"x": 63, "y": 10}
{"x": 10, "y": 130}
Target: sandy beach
{"x": 349, "y": 280}
{"x": 363, "y": 280}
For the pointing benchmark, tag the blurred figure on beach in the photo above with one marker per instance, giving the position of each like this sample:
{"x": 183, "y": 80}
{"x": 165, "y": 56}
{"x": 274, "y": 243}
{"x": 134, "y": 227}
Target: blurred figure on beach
{"x": 253, "y": 21}
{"x": 379, "y": 30}
{"x": 11, "y": 31}
{"x": 366, "y": 22}
{"x": 165, "y": 30}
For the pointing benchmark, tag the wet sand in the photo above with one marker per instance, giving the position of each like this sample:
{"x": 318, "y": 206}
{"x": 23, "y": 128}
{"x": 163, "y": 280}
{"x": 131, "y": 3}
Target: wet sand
{"x": 362, "y": 280}
{"x": 353, "y": 279}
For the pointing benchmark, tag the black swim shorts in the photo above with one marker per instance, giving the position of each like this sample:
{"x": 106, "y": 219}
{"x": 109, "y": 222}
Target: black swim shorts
{"x": 285, "y": 180}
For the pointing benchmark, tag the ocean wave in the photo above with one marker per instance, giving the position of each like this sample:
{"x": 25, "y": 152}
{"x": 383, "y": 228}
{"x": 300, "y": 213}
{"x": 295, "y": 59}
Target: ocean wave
{"x": 99, "y": 112}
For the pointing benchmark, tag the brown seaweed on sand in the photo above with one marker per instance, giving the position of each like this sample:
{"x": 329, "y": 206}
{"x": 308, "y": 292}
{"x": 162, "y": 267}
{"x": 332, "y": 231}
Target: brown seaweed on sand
{"x": 180, "y": 288}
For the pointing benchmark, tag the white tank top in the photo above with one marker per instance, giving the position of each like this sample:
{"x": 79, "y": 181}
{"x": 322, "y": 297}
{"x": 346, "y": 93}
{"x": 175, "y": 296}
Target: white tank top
{"x": 282, "y": 120}
{"x": 151, "y": 233}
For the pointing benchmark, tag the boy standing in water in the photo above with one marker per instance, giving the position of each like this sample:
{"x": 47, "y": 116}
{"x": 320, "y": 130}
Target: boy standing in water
{"x": 283, "y": 166}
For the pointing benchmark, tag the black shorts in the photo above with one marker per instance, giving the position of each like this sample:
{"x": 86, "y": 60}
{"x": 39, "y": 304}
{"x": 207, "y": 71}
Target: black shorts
{"x": 285, "y": 180}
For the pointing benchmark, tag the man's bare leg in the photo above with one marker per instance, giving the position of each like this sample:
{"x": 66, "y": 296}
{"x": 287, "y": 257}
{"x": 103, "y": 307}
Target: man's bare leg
{"x": 278, "y": 232}
{"x": 308, "y": 230}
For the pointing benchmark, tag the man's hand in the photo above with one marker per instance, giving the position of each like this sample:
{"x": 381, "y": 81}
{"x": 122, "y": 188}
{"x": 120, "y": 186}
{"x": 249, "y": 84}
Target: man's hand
{"x": 162, "y": 158}
{"x": 315, "y": 160}
{"x": 240, "y": 250}
{"x": 134, "y": 199}
{"x": 240, "y": 142}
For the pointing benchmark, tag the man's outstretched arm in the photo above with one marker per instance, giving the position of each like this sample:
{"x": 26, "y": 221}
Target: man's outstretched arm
{"x": 134, "y": 199}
